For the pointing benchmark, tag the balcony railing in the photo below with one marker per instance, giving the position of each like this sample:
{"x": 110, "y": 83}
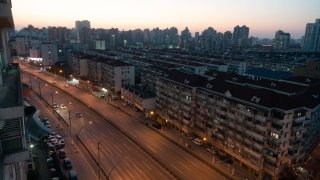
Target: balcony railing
{"x": 5, "y": 1}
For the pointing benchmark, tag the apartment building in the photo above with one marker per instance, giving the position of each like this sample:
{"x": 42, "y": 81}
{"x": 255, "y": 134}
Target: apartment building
{"x": 138, "y": 97}
{"x": 263, "y": 125}
{"x": 14, "y": 151}
{"x": 110, "y": 73}
{"x": 116, "y": 74}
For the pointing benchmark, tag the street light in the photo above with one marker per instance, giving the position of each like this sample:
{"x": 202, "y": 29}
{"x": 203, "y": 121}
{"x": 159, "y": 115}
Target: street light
{"x": 113, "y": 167}
{"x": 31, "y": 147}
{"x": 52, "y": 100}
{"x": 83, "y": 126}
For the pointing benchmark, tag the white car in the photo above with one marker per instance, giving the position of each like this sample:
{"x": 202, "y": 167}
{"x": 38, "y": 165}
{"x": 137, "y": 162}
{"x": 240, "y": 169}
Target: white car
{"x": 197, "y": 141}
{"x": 63, "y": 106}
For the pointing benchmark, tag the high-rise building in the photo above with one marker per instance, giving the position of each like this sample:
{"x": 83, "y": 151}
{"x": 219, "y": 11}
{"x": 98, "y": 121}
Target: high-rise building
{"x": 185, "y": 38}
{"x": 82, "y": 30}
{"x": 240, "y": 36}
{"x": 82, "y": 24}
{"x": 49, "y": 53}
{"x": 311, "y": 41}
{"x": 282, "y": 40}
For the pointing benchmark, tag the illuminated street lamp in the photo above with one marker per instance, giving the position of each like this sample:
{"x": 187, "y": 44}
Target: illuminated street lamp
{"x": 52, "y": 100}
{"x": 31, "y": 147}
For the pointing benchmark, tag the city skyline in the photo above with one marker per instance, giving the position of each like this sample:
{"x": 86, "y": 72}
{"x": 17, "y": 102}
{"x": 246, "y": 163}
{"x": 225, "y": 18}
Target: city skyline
{"x": 289, "y": 16}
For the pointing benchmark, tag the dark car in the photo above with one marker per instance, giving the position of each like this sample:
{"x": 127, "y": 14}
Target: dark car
{"x": 50, "y": 163}
{"x": 78, "y": 114}
{"x": 62, "y": 154}
{"x": 156, "y": 125}
{"x": 67, "y": 163}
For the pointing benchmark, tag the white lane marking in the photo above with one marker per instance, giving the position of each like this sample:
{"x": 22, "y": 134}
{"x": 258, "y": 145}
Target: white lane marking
{"x": 132, "y": 134}
{"x": 182, "y": 164}
{"x": 115, "y": 146}
{"x": 176, "y": 168}
{"x": 146, "y": 165}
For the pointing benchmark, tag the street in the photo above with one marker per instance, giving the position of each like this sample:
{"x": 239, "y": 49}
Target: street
{"x": 143, "y": 153}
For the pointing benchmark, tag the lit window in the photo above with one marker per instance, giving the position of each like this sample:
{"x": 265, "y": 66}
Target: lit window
{"x": 275, "y": 135}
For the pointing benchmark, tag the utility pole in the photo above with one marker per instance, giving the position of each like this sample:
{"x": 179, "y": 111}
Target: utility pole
{"x": 99, "y": 166}
{"x": 40, "y": 88}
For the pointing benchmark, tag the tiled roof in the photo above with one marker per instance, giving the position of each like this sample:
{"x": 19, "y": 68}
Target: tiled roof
{"x": 283, "y": 95}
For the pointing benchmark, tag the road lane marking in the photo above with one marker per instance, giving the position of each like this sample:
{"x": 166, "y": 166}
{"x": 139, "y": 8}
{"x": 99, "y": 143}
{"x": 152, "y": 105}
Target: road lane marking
{"x": 146, "y": 165}
{"x": 182, "y": 164}
{"x": 117, "y": 148}
{"x": 176, "y": 168}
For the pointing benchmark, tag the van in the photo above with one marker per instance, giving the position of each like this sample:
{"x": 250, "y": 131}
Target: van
{"x": 73, "y": 175}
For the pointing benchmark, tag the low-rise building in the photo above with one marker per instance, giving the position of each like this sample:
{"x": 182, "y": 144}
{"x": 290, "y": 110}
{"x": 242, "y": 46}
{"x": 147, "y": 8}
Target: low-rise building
{"x": 139, "y": 98}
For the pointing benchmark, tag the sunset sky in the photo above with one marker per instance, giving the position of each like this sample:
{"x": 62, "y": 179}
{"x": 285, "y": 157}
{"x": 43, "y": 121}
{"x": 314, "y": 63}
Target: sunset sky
{"x": 264, "y": 17}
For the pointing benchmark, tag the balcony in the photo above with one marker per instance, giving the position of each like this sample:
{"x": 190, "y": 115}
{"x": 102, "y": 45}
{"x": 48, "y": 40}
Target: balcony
{"x": 260, "y": 118}
{"x": 299, "y": 119}
{"x": 276, "y": 127}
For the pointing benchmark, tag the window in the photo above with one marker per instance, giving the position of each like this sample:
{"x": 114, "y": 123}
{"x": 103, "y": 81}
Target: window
{"x": 274, "y": 135}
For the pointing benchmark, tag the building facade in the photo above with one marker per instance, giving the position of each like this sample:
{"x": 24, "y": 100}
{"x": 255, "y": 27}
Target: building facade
{"x": 248, "y": 120}
{"x": 282, "y": 40}
{"x": 240, "y": 36}
{"x": 49, "y": 54}
{"x": 14, "y": 151}
{"x": 311, "y": 41}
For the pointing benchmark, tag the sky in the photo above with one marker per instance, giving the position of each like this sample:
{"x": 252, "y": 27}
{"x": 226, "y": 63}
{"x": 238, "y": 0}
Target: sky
{"x": 263, "y": 17}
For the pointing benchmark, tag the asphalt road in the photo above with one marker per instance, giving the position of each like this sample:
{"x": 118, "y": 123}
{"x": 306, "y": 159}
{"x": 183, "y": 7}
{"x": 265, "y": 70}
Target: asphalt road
{"x": 81, "y": 161}
{"x": 135, "y": 164}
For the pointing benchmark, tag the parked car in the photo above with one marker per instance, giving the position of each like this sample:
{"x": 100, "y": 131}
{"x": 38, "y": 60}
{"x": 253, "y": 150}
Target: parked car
{"x": 67, "y": 163}
{"x": 156, "y": 125}
{"x": 73, "y": 175}
{"x": 55, "y": 105}
{"x": 62, "y": 106}
{"x": 212, "y": 151}
{"x": 53, "y": 172}
{"x": 62, "y": 154}
{"x": 50, "y": 163}
{"x": 58, "y": 137}
{"x": 197, "y": 141}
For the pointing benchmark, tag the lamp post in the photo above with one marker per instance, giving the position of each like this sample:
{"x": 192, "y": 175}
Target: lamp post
{"x": 99, "y": 166}
{"x": 64, "y": 73}
{"x": 31, "y": 147}
{"x": 52, "y": 100}
{"x": 70, "y": 122}
{"x": 113, "y": 167}
{"x": 83, "y": 126}
{"x": 30, "y": 82}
